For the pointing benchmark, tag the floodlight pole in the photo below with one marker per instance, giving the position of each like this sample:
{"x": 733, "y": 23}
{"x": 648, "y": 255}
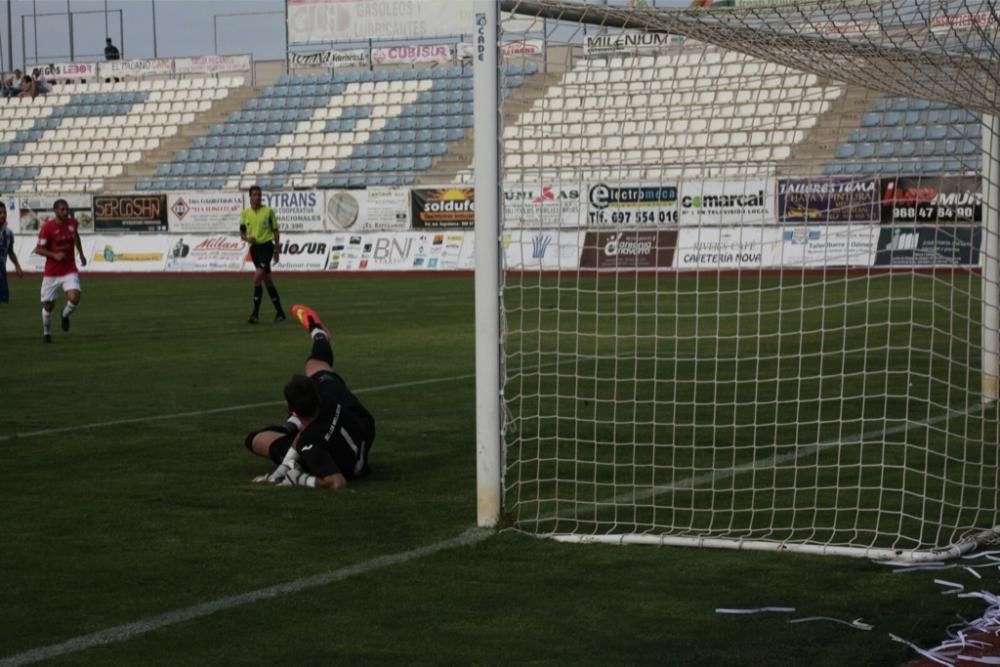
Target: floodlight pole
{"x": 486, "y": 110}
{"x": 991, "y": 256}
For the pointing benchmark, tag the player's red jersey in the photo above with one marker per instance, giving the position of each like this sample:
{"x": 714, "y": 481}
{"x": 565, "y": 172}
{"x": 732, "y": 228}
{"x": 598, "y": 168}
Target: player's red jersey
{"x": 56, "y": 236}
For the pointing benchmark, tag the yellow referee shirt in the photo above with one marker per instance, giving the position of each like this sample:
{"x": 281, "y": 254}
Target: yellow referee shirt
{"x": 261, "y": 224}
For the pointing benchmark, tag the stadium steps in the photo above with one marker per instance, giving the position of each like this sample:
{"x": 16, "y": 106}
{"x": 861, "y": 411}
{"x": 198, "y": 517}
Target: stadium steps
{"x": 165, "y": 152}
{"x": 459, "y": 156}
{"x": 833, "y": 128}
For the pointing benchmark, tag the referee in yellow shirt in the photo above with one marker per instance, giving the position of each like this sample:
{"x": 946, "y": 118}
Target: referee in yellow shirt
{"x": 259, "y": 228}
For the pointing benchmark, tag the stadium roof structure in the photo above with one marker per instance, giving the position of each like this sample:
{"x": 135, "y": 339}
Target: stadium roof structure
{"x": 944, "y": 51}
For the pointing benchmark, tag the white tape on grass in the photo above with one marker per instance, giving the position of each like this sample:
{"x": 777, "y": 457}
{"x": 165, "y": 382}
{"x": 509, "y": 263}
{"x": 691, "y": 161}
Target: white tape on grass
{"x": 129, "y": 630}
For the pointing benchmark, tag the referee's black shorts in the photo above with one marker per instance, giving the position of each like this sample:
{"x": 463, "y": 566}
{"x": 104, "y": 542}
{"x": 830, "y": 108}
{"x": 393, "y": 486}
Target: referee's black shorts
{"x": 261, "y": 254}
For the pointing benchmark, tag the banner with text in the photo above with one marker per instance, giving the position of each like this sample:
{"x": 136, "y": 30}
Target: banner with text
{"x": 728, "y": 248}
{"x": 639, "y": 249}
{"x": 206, "y": 211}
{"x": 828, "y": 200}
{"x": 508, "y": 48}
{"x": 931, "y": 200}
{"x": 624, "y": 42}
{"x": 355, "y": 20}
{"x": 130, "y": 213}
{"x": 444, "y": 207}
{"x": 388, "y": 209}
{"x": 929, "y": 246}
{"x": 526, "y": 250}
{"x": 541, "y": 205}
{"x": 412, "y": 54}
{"x": 212, "y": 64}
{"x": 399, "y": 251}
{"x": 631, "y": 204}
{"x": 58, "y": 71}
{"x": 136, "y": 69}
{"x": 736, "y": 201}
{"x": 833, "y": 245}
{"x": 221, "y": 252}
{"x": 134, "y": 253}
{"x": 296, "y": 210}
{"x": 330, "y": 58}
{"x": 303, "y": 252}
{"x": 33, "y": 210}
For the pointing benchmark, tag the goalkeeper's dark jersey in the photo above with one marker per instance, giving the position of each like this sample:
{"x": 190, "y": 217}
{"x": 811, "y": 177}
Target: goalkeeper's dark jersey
{"x": 339, "y": 439}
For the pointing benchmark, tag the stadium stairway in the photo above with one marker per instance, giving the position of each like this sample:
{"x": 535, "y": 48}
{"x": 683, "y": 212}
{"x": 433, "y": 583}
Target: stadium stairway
{"x": 819, "y": 147}
{"x": 455, "y": 165}
{"x": 187, "y": 135}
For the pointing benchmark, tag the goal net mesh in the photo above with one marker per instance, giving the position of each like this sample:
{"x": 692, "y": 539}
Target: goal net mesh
{"x": 745, "y": 257}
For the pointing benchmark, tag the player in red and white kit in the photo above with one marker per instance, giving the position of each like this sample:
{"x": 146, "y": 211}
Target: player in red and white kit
{"x": 57, "y": 240}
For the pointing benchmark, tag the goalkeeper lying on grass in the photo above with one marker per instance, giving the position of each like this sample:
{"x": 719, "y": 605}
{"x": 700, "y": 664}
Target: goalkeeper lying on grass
{"x": 328, "y": 437}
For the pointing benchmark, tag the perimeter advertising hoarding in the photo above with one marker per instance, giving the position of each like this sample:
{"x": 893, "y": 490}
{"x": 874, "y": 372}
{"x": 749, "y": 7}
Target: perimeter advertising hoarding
{"x": 814, "y": 201}
{"x": 303, "y": 252}
{"x": 130, "y": 213}
{"x": 828, "y": 245}
{"x": 932, "y": 200}
{"x": 543, "y": 205}
{"x": 25, "y": 244}
{"x": 205, "y": 211}
{"x": 929, "y": 246}
{"x": 542, "y": 250}
{"x": 639, "y": 249}
{"x": 361, "y": 20}
{"x": 219, "y": 252}
{"x": 33, "y": 210}
{"x": 631, "y": 204}
{"x": 120, "y": 254}
{"x": 728, "y": 248}
{"x": 388, "y": 208}
{"x": 736, "y": 201}
{"x": 445, "y": 207}
{"x": 296, "y": 210}
{"x": 399, "y": 251}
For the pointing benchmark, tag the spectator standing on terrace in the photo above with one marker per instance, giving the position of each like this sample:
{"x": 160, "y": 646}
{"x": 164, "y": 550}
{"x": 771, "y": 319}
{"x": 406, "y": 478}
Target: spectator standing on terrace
{"x": 111, "y": 51}
{"x": 327, "y": 439}
{"x": 259, "y": 228}
{"x": 57, "y": 240}
{"x": 6, "y": 248}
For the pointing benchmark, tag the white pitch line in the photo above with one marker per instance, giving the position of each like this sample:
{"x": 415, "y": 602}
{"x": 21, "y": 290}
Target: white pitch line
{"x": 129, "y": 630}
{"x": 215, "y": 411}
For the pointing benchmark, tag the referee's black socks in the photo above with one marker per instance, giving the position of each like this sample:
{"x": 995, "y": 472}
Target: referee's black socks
{"x": 257, "y": 292}
{"x": 272, "y": 292}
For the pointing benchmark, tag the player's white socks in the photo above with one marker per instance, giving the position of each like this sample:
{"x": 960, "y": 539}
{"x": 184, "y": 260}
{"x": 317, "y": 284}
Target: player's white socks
{"x": 318, "y": 333}
{"x": 299, "y": 477}
{"x": 68, "y": 310}
{"x": 46, "y": 322}
{"x": 295, "y": 422}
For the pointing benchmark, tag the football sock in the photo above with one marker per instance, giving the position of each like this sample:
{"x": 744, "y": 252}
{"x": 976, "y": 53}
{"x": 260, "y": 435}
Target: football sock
{"x": 321, "y": 349}
{"x": 46, "y": 322}
{"x": 68, "y": 310}
{"x": 257, "y": 292}
{"x": 275, "y": 299}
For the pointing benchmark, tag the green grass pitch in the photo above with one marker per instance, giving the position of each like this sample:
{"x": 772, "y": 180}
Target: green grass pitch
{"x": 125, "y": 489}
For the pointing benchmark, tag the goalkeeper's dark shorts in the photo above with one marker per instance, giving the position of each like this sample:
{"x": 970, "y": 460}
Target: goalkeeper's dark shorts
{"x": 261, "y": 254}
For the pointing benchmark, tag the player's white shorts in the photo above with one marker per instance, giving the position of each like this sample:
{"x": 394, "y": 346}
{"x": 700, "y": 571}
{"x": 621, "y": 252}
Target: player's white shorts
{"x": 53, "y": 285}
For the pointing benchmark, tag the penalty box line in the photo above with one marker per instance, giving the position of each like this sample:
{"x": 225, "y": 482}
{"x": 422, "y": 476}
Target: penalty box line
{"x": 130, "y": 630}
{"x": 215, "y": 411}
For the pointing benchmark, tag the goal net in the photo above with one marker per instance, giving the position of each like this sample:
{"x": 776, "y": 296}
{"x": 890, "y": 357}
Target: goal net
{"x": 749, "y": 286}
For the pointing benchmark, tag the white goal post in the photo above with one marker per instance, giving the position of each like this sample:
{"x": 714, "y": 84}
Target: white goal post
{"x": 738, "y": 274}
